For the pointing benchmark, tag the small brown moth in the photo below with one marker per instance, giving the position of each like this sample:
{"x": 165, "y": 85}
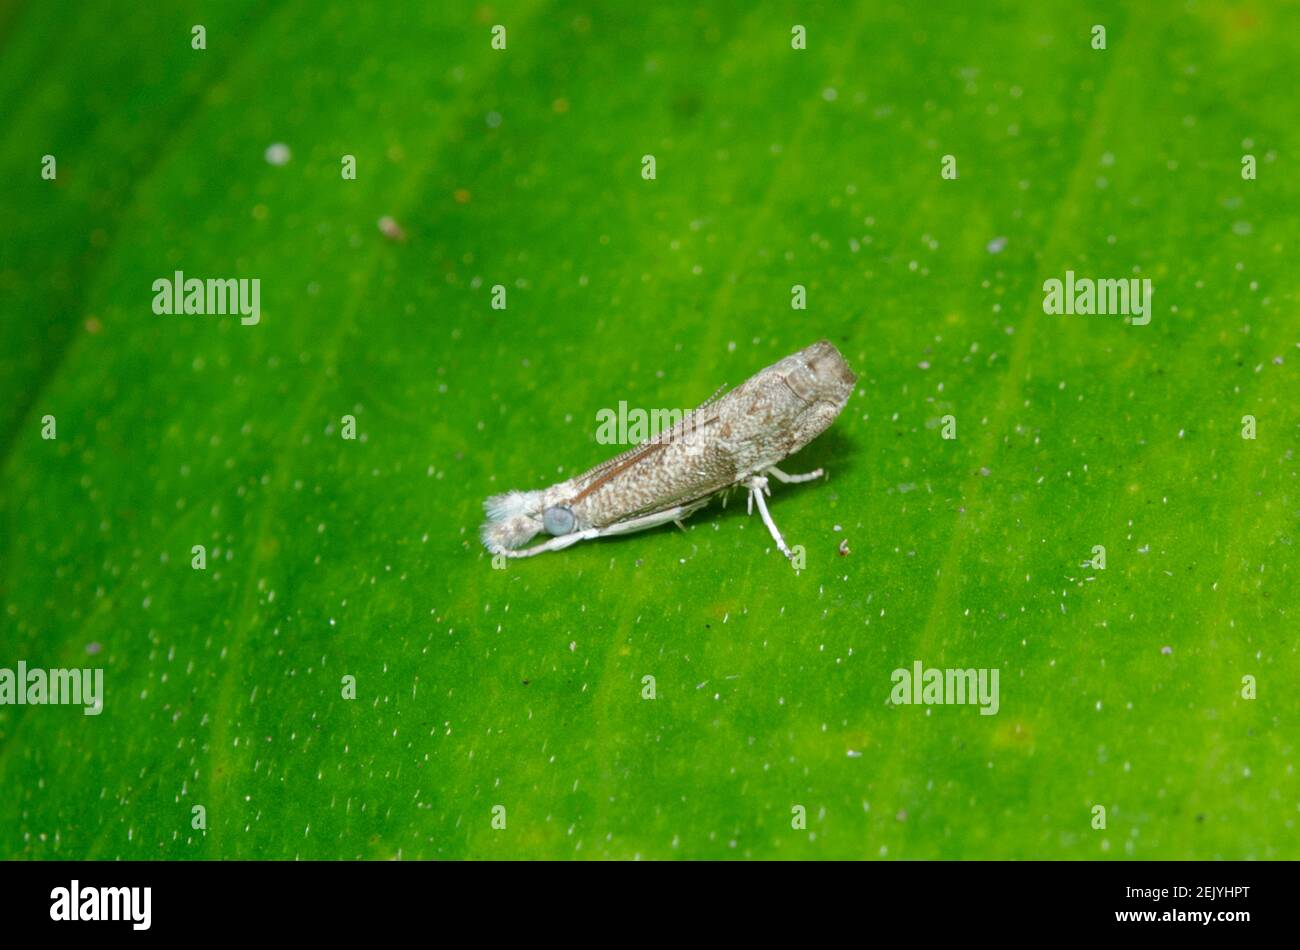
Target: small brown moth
{"x": 730, "y": 441}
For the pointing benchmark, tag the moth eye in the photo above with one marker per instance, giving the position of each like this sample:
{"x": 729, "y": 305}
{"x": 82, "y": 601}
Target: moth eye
{"x": 557, "y": 520}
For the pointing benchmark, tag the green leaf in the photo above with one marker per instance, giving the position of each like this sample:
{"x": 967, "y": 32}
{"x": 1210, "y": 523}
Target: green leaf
{"x": 523, "y": 687}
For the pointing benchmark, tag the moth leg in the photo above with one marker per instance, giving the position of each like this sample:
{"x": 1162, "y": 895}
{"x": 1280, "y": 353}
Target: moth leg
{"x": 795, "y": 479}
{"x": 623, "y": 527}
{"x": 757, "y": 486}
{"x": 652, "y": 520}
{"x": 555, "y": 544}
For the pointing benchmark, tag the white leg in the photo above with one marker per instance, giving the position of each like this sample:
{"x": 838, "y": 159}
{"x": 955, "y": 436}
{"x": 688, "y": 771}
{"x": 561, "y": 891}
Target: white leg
{"x": 757, "y": 486}
{"x": 795, "y": 479}
{"x": 643, "y": 523}
{"x": 555, "y": 544}
{"x": 652, "y": 520}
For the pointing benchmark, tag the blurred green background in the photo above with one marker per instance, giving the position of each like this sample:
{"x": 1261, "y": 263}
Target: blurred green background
{"x": 523, "y": 687}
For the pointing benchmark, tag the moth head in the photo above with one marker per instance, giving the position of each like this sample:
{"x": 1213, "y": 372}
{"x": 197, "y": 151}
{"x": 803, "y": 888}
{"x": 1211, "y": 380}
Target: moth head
{"x": 558, "y": 520}
{"x": 514, "y": 519}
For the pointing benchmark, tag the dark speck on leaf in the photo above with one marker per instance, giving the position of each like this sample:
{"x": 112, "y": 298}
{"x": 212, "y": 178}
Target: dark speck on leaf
{"x": 686, "y": 104}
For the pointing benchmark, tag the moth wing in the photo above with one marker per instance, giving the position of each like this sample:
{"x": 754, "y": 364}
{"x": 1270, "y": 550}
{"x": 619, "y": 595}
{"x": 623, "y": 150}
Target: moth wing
{"x": 695, "y": 418}
{"x": 699, "y": 468}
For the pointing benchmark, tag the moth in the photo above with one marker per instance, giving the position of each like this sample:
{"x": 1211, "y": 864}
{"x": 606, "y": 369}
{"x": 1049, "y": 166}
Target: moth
{"x": 732, "y": 440}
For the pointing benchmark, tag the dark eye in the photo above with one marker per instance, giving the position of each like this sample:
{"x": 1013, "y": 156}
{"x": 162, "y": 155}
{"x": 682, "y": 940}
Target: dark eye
{"x": 557, "y": 520}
